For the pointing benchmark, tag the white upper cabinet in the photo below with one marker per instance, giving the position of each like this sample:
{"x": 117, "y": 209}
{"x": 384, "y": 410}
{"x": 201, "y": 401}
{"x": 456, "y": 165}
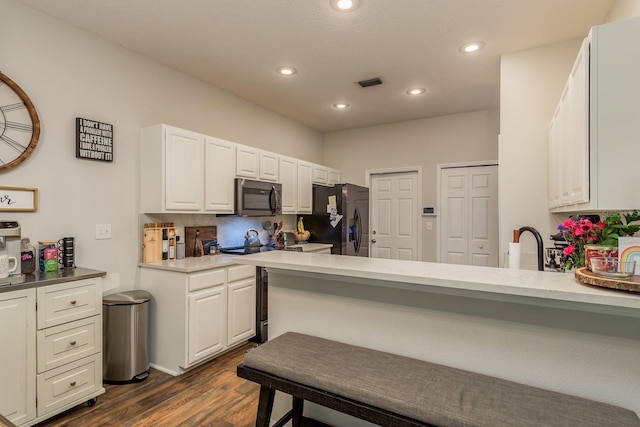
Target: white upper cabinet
{"x": 305, "y": 187}
{"x": 594, "y": 133}
{"x": 333, "y": 176}
{"x": 183, "y": 171}
{"x": 289, "y": 181}
{"x": 269, "y": 166}
{"x": 219, "y": 175}
{"x": 247, "y": 161}
{"x": 187, "y": 172}
{"x": 320, "y": 174}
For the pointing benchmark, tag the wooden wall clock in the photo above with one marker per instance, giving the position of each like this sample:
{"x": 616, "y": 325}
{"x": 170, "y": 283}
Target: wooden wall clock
{"x": 19, "y": 124}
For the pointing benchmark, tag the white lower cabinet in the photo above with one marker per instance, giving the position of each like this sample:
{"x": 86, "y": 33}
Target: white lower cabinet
{"x": 197, "y": 316}
{"x": 207, "y": 319}
{"x": 51, "y": 357}
{"x": 18, "y": 355}
{"x": 241, "y": 302}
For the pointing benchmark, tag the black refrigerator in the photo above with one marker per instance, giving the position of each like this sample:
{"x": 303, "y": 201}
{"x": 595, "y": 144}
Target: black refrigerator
{"x": 348, "y": 228}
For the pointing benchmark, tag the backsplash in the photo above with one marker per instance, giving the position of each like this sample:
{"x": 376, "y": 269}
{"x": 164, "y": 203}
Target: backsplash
{"x": 231, "y": 229}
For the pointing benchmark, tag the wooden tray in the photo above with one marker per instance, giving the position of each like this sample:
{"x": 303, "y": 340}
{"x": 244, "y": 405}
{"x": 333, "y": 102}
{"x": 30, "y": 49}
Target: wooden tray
{"x": 588, "y": 278}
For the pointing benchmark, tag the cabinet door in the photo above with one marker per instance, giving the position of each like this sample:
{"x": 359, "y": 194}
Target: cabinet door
{"x": 305, "y": 187}
{"x": 219, "y": 175}
{"x": 320, "y": 174}
{"x": 242, "y": 310}
{"x": 269, "y": 166}
{"x": 333, "y": 176}
{"x": 18, "y": 355}
{"x": 247, "y": 161}
{"x": 577, "y": 147}
{"x": 207, "y": 323}
{"x": 289, "y": 181}
{"x": 183, "y": 170}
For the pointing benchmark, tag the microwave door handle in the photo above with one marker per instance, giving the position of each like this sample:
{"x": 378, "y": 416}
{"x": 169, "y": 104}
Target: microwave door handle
{"x": 273, "y": 199}
{"x": 357, "y": 234}
{"x": 359, "y": 230}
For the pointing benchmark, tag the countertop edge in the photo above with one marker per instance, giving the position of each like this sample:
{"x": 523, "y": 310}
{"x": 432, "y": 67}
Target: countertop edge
{"x": 41, "y": 278}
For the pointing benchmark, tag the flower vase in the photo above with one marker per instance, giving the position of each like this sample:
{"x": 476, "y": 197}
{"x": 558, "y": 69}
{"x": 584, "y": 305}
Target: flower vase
{"x": 592, "y": 251}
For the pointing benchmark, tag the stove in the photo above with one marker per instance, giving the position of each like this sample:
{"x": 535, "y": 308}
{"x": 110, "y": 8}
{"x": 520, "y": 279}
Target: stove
{"x": 241, "y": 250}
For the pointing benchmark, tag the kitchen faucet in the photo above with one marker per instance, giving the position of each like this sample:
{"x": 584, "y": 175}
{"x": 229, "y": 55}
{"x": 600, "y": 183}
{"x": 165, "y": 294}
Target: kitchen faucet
{"x": 538, "y": 242}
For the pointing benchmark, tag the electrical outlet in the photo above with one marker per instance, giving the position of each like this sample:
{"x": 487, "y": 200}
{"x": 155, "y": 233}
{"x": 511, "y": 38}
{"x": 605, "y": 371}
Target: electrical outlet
{"x": 429, "y": 225}
{"x": 103, "y": 231}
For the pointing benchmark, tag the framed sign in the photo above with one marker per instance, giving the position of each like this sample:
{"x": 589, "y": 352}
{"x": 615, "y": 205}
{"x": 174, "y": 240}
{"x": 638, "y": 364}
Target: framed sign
{"x": 18, "y": 199}
{"x": 94, "y": 140}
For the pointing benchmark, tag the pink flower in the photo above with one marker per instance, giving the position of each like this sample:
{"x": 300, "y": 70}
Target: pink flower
{"x": 569, "y": 250}
{"x": 568, "y": 223}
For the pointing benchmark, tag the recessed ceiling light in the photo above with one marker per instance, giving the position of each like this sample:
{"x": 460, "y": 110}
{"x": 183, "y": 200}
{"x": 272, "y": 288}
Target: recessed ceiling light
{"x": 345, "y": 5}
{"x": 286, "y": 71}
{"x": 340, "y": 105}
{"x": 416, "y": 91}
{"x": 471, "y": 47}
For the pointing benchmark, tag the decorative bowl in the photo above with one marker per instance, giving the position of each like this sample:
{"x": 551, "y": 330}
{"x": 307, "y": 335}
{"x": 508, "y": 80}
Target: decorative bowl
{"x": 301, "y": 237}
{"x": 612, "y": 267}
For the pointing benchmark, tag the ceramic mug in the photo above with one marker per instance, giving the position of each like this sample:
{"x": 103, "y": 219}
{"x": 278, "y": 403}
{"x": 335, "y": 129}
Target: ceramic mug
{"x": 5, "y": 260}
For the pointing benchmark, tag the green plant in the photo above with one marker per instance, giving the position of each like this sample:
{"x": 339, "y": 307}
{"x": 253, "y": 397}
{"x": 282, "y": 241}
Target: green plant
{"x": 580, "y": 231}
{"x": 615, "y": 227}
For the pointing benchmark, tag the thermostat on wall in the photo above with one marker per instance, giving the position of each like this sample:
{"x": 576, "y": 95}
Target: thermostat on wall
{"x": 429, "y": 211}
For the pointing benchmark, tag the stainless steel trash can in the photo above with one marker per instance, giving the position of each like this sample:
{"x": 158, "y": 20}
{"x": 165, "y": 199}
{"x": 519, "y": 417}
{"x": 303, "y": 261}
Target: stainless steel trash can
{"x": 126, "y": 336}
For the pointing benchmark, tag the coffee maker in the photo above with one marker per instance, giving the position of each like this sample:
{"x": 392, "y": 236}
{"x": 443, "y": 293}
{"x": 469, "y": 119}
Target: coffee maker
{"x": 10, "y": 239}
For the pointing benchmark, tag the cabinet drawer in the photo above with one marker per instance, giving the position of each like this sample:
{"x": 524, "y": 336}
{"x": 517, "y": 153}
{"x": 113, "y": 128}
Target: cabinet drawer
{"x": 68, "y": 383}
{"x": 66, "y": 343}
{"x": 66, "y": 302}
{"x": 206, "y": 279}
{"x": 239, "y": 272}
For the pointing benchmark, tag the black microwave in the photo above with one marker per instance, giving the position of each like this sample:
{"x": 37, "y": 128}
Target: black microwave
{"x": 258, "y": 198}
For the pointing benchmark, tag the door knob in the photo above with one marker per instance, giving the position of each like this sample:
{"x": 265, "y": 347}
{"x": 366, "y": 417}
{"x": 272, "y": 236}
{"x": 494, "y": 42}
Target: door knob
{"x": 481, "y": 247}
{"x": 373, "y": 232}
{"x": 373, "y": 240}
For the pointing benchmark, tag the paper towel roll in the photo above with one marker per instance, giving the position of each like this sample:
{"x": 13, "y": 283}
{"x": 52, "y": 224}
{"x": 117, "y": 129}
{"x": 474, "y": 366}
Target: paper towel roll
{"x": 514, "y": 255}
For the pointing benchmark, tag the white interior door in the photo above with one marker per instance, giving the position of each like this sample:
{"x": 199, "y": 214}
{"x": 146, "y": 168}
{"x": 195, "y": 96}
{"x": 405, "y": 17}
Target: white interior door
{"x": 394, "y": 215}
{"x": 469, "y": 215}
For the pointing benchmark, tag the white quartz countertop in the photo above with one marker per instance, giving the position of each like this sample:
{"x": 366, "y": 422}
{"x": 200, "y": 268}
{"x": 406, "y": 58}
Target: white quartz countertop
{"x": 192, "y": 264}
{"x": 548, "y": 288}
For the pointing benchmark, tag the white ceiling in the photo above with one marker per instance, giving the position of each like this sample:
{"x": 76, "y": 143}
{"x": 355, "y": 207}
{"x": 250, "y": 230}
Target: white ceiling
{"x": 237, "y": 45}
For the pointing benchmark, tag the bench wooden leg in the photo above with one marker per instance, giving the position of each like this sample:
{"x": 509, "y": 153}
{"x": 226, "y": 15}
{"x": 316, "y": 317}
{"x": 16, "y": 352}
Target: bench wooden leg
{"x": 265, "y": 406}
{"x": 298, "y": 408}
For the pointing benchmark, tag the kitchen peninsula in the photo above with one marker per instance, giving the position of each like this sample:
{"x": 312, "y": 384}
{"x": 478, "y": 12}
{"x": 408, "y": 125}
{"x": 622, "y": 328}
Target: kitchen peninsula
{"x": 538, "y": 328}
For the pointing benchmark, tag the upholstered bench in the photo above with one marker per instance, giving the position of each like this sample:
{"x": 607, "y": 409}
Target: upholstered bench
{"x": 392, "y": 390}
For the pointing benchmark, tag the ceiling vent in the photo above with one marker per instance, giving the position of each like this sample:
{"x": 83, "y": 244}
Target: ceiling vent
{"x": 370, "y": 82}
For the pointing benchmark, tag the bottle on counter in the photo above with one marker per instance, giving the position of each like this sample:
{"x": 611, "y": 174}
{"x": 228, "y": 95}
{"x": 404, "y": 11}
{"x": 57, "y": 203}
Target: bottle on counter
{"x": 27, "y": 256}
{"x": 165, "y": 243}
{"x": 179, "y": 248}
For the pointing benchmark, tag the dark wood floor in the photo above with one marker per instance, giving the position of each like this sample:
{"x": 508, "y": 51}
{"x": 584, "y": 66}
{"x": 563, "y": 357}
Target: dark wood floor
{"x": 210, "y": 395}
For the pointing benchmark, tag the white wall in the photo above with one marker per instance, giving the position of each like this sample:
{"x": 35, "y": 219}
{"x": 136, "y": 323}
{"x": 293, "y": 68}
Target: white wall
{"x": 69, "y": 73}
{"x": 428, "y": 142}
{"x": 623, "y": 9}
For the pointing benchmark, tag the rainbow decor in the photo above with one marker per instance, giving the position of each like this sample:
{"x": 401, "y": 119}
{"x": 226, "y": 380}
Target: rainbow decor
{"x": 629, "y": 250}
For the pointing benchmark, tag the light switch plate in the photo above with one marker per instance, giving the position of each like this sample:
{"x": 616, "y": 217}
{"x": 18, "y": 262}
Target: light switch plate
{"x": 103, "y": 231}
